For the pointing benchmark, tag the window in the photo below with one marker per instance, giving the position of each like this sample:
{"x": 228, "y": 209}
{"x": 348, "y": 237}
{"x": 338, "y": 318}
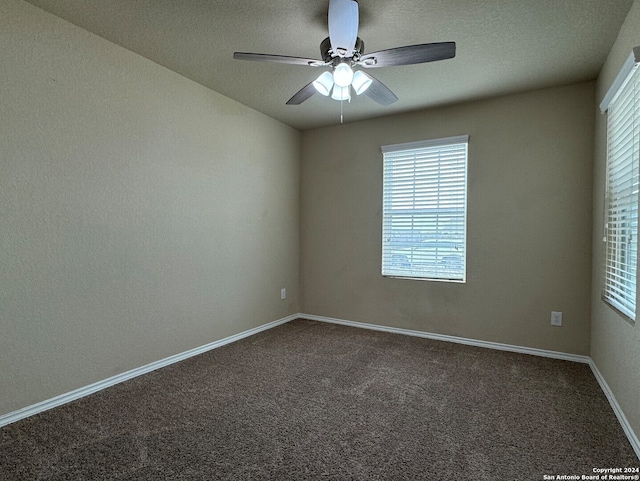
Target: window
{"x": 622, "y": 105}
{"x": 424, "y": 209}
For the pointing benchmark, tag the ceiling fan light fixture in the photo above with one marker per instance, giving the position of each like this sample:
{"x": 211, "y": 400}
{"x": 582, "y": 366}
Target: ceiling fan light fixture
{"x": 343, "y": 75}
{"x": 361, "y": 82}
{"x": 342, "y": 51}
{"x": 341, "y": 93}
{"x": 324, "y": 83}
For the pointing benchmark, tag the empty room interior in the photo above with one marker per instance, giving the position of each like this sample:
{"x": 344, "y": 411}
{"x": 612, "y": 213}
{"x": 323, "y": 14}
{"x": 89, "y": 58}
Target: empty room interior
{"x": 160, "y": 202}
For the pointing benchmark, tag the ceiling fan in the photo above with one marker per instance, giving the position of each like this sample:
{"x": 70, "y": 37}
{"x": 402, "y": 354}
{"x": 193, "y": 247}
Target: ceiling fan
{"x": 343, "y": 50}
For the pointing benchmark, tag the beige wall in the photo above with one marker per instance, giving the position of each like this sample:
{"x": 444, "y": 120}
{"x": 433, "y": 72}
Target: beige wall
{"x": 615, "y": 344}
{"x": 141, "y": 214}
{"x": 529, "y": 222}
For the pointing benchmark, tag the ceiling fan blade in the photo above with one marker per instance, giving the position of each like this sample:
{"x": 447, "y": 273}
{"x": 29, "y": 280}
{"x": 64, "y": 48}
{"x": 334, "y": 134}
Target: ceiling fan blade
{"x": 303, "y": 94}
{"x": 379, "y": 92}
{"x": 409, "y": 55}
{"x": 265, "y": 57}
{"x": 343, "y": 26}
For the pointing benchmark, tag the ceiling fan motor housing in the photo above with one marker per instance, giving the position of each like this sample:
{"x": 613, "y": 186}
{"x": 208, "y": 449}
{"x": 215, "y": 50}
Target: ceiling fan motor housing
{"x": 329, "y": 56}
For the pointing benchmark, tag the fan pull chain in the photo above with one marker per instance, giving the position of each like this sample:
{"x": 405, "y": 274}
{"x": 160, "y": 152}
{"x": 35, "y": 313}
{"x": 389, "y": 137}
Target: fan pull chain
{"x": 341, "y": 116}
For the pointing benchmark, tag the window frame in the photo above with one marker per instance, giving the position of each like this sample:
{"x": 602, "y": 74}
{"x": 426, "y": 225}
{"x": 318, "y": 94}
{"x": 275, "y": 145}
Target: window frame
{"x": 426, "y": 151}
{"x": 621, "y": 202}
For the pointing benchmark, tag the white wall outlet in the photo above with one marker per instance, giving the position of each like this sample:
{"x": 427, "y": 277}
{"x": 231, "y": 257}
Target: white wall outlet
{"x": 283, "y": 293}
{"x": 556, "y": 318}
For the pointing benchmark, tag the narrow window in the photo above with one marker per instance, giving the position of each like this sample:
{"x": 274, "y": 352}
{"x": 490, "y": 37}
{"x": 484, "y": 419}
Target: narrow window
{"x": 424, "y": 209}
{"x": 622, "y": 105}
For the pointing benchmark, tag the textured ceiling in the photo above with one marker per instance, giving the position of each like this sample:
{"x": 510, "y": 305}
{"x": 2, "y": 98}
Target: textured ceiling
{"x": 503, "y": 46}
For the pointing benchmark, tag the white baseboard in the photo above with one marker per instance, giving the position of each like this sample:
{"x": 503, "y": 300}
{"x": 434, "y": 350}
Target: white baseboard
{"x": 458, "y": 340}
{"x": 98, "y": 386}
{"x": 626, "y": 427}
{"x": 125, "y": 376}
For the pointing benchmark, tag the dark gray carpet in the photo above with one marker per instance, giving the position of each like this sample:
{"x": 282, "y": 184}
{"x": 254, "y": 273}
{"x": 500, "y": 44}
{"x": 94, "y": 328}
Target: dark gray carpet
{"x": 308, "y": 400}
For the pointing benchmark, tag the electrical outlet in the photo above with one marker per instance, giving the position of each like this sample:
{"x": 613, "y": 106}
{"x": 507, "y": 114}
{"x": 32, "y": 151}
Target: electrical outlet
{"x": 283, "y": 293}
{"x": 556, "y": 318}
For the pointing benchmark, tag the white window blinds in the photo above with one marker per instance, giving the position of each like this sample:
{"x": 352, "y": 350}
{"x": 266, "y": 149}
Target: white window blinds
{"x": 621, "y": 210}
{"x": 424, "y": 209}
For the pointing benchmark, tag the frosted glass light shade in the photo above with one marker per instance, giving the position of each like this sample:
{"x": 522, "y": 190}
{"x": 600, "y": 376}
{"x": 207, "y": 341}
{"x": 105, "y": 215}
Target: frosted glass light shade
{"x": 324, "y": 83}
{"x": 343, "y": 75}
{"x": 341, "y": 93}
{"x": 361, "y": 82}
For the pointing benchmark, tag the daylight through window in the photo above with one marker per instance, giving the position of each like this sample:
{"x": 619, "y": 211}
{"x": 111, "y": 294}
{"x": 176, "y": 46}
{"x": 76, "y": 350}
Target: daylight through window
{"x": 621, "y": 210}
{"x": 424, "y": 218}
